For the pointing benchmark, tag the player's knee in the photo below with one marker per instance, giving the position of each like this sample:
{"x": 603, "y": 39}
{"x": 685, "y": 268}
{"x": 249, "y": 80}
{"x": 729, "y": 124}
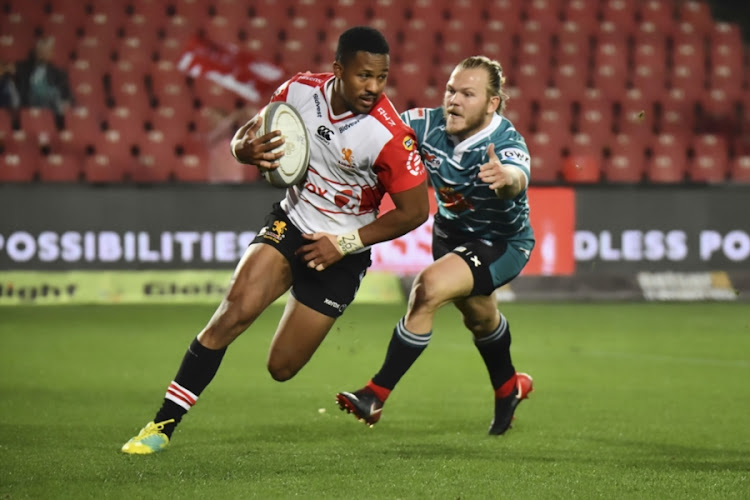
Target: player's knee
{"x": 425, "y": 291}
{"x": 281, "y": 371}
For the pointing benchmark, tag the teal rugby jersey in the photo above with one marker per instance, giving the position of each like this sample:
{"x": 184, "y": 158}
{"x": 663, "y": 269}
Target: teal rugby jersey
{"x": 469, "y": 206}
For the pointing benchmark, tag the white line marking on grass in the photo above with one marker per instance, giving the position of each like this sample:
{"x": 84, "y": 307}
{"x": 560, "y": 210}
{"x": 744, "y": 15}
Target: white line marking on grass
{"x": 742, "y": 363}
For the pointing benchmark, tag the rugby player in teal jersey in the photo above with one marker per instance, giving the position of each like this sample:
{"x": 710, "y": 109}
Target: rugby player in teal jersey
{"x": 478, "y": 164}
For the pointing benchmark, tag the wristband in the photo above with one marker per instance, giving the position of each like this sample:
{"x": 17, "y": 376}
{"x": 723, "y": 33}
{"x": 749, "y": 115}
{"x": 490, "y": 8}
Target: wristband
{"x": 348, "y": 243}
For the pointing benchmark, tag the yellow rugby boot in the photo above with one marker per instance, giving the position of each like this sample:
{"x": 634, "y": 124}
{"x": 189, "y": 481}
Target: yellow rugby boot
{"x": 150, "y": 440}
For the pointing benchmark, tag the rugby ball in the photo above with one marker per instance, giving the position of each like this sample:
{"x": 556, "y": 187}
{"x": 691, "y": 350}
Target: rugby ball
{"x": 293, "y": 165}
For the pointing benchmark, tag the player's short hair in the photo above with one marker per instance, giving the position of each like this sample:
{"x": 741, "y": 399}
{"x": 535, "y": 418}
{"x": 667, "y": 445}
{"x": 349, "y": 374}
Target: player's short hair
{"x": 495, "y": 80}
{"x": 360, "y": 38}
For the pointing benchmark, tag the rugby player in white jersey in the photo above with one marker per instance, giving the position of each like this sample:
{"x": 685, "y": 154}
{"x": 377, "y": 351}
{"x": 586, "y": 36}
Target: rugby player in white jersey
{"x": 479, "y": 166}
{"x": 316, "y": 241}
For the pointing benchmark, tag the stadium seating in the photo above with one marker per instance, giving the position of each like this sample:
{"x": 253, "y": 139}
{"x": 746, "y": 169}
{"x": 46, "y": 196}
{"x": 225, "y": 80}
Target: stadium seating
{"x": 60, "y": 168}
{"x": 647, "y": 70}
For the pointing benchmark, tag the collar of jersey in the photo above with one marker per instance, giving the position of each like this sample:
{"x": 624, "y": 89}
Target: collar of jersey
{"x": 483, "y": 134}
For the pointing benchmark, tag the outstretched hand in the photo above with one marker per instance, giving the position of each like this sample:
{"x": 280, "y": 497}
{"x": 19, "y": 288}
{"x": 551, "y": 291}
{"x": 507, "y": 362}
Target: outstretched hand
{"x": 258, "y": 151}
{"x": 493, "y": 172}
{"x": 321, "y": 253}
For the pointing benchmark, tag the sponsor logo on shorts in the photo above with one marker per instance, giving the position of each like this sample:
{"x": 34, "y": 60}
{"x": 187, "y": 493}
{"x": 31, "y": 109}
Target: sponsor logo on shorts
{"x": 278, "y": 228}
{"x": 335, "y": 305}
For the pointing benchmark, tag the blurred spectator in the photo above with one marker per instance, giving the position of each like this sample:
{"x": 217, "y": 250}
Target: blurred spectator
{"x": 9, "y": 97}
{"x": 40, "y": 83}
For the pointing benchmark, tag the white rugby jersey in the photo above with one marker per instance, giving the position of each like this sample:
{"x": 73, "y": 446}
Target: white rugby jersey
{"x": 354, "y": 158}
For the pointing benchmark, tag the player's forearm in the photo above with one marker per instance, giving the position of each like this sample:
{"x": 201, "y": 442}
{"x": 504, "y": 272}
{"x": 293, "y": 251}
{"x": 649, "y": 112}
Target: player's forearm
{"x": 391, "y": 225}
{"x": 412, "y": 210}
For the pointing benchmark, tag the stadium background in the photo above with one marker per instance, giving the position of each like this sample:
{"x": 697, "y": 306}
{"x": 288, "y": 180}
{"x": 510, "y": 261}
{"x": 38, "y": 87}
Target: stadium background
{"x": 636, "y": 113}
{"x": 632, "y": 400}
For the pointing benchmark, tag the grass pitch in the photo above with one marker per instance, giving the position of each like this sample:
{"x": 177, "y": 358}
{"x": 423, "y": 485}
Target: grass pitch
{"x": 631, "y": 401}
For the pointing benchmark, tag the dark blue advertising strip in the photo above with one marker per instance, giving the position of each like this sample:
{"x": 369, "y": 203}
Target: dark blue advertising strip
{"x": 63, "y": 227}
{"x": 661, "y": 229}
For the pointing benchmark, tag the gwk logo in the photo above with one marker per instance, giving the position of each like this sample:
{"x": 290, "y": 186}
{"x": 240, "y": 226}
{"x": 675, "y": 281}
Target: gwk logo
{"x": 325, "y": 133}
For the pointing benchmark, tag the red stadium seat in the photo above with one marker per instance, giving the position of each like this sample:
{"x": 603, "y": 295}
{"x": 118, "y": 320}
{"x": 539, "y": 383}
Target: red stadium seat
{"x": 103, "y": 25}
{"x": 596, "y": 118}
{"x": 531, "y": 78}
{"x": 496, "y": 40}
{"x": 128, "y": 87}
{"x": 84, "y": 126}
{"x": 684, "y": 31}
{"x": 581, "y": 169}
{"x": 545, "y": 12}
{"x": 636, "y": 115}
{"x": 38, "y": 123}
{"x": 505, "y": 9}
{"x": 611, "y": 54}
{"x": 101, "y": 168}
{"x": 727, "y": 79}
{"x": 355, "y": 12}
{"x": 194, "y": 162}
{"x": 698, "y": 14}
{"x": 137, "y": 51}
{"x": 181, "y": 27}
{"x": 689, "y": 79}
{"x": 118, "y": 151}
{"x": 726, "y": 54}
{"x": 153, "y": 10}
{"x": 739, "y": 169}
{"x": 61, "y": 168}
{"x": 658, "y": 12}
{"x": 677, "y": 116}
{"x": 195, "y": 9}
{"x": 518, "y": 111}
{"x": 571, "y": 80}
{"x": 690, "y": 53}
{"x": 553, "y": 121}
{"x": 15, "y": 167}
{"x": 581, "y": 13}
{"x": 621, "y": 12}
{"x": 710, "y": 161}
{"x": 457, "y": 41}
{"x": 169, "y": 86}
{"x": 172, "y": 122}
{"x": 573, "y": 46}
{"x": 728, "y": 33}
{"x": 545, "y": 154}
{"x": 610, "y": 79}
{"x": 156, "y": 159}
{"x": 668, "y": 160}
{"x": 129, "y": 124}
{"x": 719, "y": 112}
{"x": 626, "y": 162}
{"x": 652, "y": 56}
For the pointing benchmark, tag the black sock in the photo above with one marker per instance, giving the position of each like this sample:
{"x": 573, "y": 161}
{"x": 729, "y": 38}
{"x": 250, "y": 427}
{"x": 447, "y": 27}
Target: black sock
{"x": 403, "y": 350}
{"x": 495, "y": 351}
{"x": 197, "y": 369}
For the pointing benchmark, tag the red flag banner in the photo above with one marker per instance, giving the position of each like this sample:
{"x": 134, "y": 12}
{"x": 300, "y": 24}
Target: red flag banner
{"x": 230, "y": 67}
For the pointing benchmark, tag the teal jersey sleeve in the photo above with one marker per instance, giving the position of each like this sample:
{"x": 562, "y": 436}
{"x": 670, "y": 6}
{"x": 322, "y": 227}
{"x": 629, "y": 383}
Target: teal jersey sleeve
{"x": 418, "y": 119}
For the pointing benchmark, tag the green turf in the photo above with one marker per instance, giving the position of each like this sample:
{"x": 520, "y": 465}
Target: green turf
{"x": 631, "y": 401}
